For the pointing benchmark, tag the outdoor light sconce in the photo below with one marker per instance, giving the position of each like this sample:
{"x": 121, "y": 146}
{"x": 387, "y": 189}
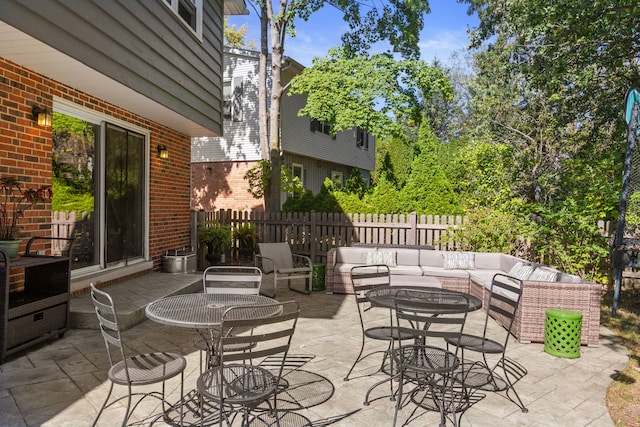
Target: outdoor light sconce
{"x": 41, "y": 115}
{"x": 163, "y": 152}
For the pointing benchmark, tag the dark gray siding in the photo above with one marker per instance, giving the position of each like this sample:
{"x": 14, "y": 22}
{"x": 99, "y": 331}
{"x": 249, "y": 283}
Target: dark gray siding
{"x": 139, "y": 43}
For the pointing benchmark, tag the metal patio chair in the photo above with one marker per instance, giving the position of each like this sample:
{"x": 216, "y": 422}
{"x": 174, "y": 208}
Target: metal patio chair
{"x": 238, "y": 385}
{"x": 137, "y": 370}
{"x": 364, "y": 278}
{"x": 279, "y": 264}
{"x": 504, "y": 299}
{"x": 228, "y": 280}
{"x": 427, "y": 366}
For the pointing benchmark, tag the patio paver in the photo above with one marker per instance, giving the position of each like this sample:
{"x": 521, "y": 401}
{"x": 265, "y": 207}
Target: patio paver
{"x": 63, "y": 382}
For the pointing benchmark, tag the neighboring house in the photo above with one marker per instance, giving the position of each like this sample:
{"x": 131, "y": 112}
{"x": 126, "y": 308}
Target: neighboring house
{"x": 308, "y": 149}
{"x": 123, "y": 79}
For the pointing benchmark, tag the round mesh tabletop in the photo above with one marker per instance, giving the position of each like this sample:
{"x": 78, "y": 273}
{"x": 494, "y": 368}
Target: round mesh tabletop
{"x": 204, "y": 310}
{"x": 385, "y": 296}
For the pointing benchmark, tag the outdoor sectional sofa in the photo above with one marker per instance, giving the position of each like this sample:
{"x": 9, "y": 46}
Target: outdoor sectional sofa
{"x": 471, "y": 272}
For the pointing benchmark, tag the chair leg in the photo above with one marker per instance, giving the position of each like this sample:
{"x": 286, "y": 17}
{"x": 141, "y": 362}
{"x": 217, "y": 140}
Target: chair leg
{"x": 104, "y": 405}
{"x": 516, "y": 372}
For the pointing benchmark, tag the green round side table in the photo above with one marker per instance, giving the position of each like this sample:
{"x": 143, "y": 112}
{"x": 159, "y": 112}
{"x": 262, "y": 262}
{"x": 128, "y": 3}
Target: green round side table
{"x": 562, "y": 332}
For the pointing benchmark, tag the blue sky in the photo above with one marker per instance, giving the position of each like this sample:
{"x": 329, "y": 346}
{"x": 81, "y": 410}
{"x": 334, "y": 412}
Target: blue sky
{"x": 445, "y": 31}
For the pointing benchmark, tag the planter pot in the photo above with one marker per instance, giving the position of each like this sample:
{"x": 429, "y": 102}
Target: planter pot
{"x": 11, "y": 247}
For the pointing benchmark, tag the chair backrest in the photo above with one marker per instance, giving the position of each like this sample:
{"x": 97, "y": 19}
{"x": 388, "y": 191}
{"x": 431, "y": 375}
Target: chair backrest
{"x": 265, "y": 329}
{"x": 367, "y": 277}
{"x": 279, "y": 255}
{"x": 428, "y": 314}
{"x": 504, "y": 299}
{"x": 232, "y": 280}
{"x": 108, "y": 323}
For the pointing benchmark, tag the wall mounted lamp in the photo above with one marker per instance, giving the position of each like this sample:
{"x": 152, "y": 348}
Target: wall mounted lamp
{"x": 163, "y": 152}
{"x": 41, "y": 115}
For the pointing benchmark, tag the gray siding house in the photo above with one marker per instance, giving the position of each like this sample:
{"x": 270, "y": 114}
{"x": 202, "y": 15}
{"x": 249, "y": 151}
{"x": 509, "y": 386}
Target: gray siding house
{"x": 125, "y": 83}
{"x": 308, "y": 149}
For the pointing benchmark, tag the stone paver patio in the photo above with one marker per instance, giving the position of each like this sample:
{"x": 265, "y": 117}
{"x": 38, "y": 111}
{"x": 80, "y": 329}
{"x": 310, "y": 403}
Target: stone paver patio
{"x": 63, "y": 382}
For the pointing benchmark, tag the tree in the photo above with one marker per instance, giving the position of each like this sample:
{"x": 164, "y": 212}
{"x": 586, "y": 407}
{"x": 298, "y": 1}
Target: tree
{"x": 376, "y": 93}
{"x": 234, "y": 37}
{"x": 428, "y": 191}
{"x": 397, "y": 21}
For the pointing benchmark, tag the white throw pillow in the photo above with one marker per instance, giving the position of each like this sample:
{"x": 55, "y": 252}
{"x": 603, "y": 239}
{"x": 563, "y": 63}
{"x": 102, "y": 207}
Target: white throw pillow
{"x": 544, "y": 274}
{"x": 387, "y": 258}
{"x": 459, "y": 260}
{"x": 521, "y": 270}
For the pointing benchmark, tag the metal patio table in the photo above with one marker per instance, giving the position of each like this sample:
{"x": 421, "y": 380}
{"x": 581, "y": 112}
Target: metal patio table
{"x": 203, "y": 312}
{"x": 385, "y": 296}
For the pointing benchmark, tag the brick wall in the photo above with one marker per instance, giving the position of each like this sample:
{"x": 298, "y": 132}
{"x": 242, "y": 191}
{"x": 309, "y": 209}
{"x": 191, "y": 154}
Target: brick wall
{"x": 221, "y": 185}
{"x": 26, "y": 151}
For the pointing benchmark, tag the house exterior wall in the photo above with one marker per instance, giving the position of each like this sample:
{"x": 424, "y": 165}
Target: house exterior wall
{"x": 26, "y": 153}
{"x": 221, "y": 185}
{"x": 139, "y": 43}
{"x": 318, "y": 153}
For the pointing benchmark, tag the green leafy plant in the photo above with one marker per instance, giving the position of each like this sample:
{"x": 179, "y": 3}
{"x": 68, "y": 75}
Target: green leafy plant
{"x": 246, "y": 235}
{"x": 14, "y": 201}
{"x": 216, "y": 236}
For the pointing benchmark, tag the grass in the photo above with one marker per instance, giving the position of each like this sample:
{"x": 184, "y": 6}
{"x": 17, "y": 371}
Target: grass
{"x": 623, "y": 396}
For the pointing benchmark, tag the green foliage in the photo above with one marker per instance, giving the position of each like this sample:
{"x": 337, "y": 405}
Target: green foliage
{"x": 290, "y": 183}
{"x": 385, "y": 198}
{"x": 375, "y": 93}
{"x": 491, "y": 230}
{"x": 215, "y": 235}
{"x": 570, "y": 239}
{"x": 246, "y": 235}
{"x": 428, "y": 191}
{"x": 68, "y": 198}
{"x": 393, "y": 160}
{"x": 355, "y": 183}
{"x": 235, "y": 37}
{"x": 259, "y": 177}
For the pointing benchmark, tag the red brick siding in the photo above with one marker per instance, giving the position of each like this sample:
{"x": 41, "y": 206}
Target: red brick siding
{"x": 26, "y": 151}
{"x": 221, "y": 185}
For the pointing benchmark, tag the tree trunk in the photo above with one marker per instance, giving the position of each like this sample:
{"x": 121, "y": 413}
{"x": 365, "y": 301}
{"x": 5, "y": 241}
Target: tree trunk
{"x": 263, "y": 92}
{"x": 277, "y": 49}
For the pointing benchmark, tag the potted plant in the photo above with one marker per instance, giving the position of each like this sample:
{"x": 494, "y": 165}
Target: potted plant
{"x": 217, "y": 237}
{"x": 14, "y": 201}
{"x": 247, "y": 238}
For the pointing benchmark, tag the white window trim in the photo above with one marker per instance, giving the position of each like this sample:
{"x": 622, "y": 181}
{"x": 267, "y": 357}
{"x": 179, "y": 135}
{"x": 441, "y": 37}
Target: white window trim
{"x": 337, "y": 174}
{"x": 198, "y": 4}
{"x": 63, "y": 106}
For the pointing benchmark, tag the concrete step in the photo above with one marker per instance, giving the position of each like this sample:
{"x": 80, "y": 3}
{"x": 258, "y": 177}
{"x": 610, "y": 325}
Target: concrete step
{"x": 132, "y": 296}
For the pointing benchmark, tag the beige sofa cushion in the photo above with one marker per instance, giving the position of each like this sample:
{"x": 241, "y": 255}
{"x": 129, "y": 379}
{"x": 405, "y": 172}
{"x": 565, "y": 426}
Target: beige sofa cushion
{"x": 351, "y": 255}
{"x": 431, "y": 258}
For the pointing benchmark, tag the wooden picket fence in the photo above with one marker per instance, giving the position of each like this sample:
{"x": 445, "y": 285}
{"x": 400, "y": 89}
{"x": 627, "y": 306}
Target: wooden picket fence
{"x": 314, "y": 233}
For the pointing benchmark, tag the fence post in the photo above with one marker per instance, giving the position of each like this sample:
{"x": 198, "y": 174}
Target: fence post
{"x": 412, "y": 238}
{"x": 313, "y": 235}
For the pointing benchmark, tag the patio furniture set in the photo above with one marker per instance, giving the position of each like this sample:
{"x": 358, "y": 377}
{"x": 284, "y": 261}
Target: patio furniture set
{"x": 424, "y": 342}
{"x": 471, "y": 272}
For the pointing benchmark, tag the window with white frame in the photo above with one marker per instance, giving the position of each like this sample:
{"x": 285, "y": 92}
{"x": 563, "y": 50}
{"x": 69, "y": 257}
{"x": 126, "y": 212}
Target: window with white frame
{"x": 190, "y": 11}
{"x": 297, "y": 170}
{"x": 321, "y": 126}
{"x": 336, "y": 178}
{"x": 362, "y": 139}
{"x": 232, "y": 94}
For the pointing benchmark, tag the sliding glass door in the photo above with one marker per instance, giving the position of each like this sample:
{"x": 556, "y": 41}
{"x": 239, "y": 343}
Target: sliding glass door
{"x": 99, "y": 188}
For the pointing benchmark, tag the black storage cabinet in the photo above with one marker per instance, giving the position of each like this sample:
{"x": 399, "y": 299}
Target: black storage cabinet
{"x": 40, "y": 310}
